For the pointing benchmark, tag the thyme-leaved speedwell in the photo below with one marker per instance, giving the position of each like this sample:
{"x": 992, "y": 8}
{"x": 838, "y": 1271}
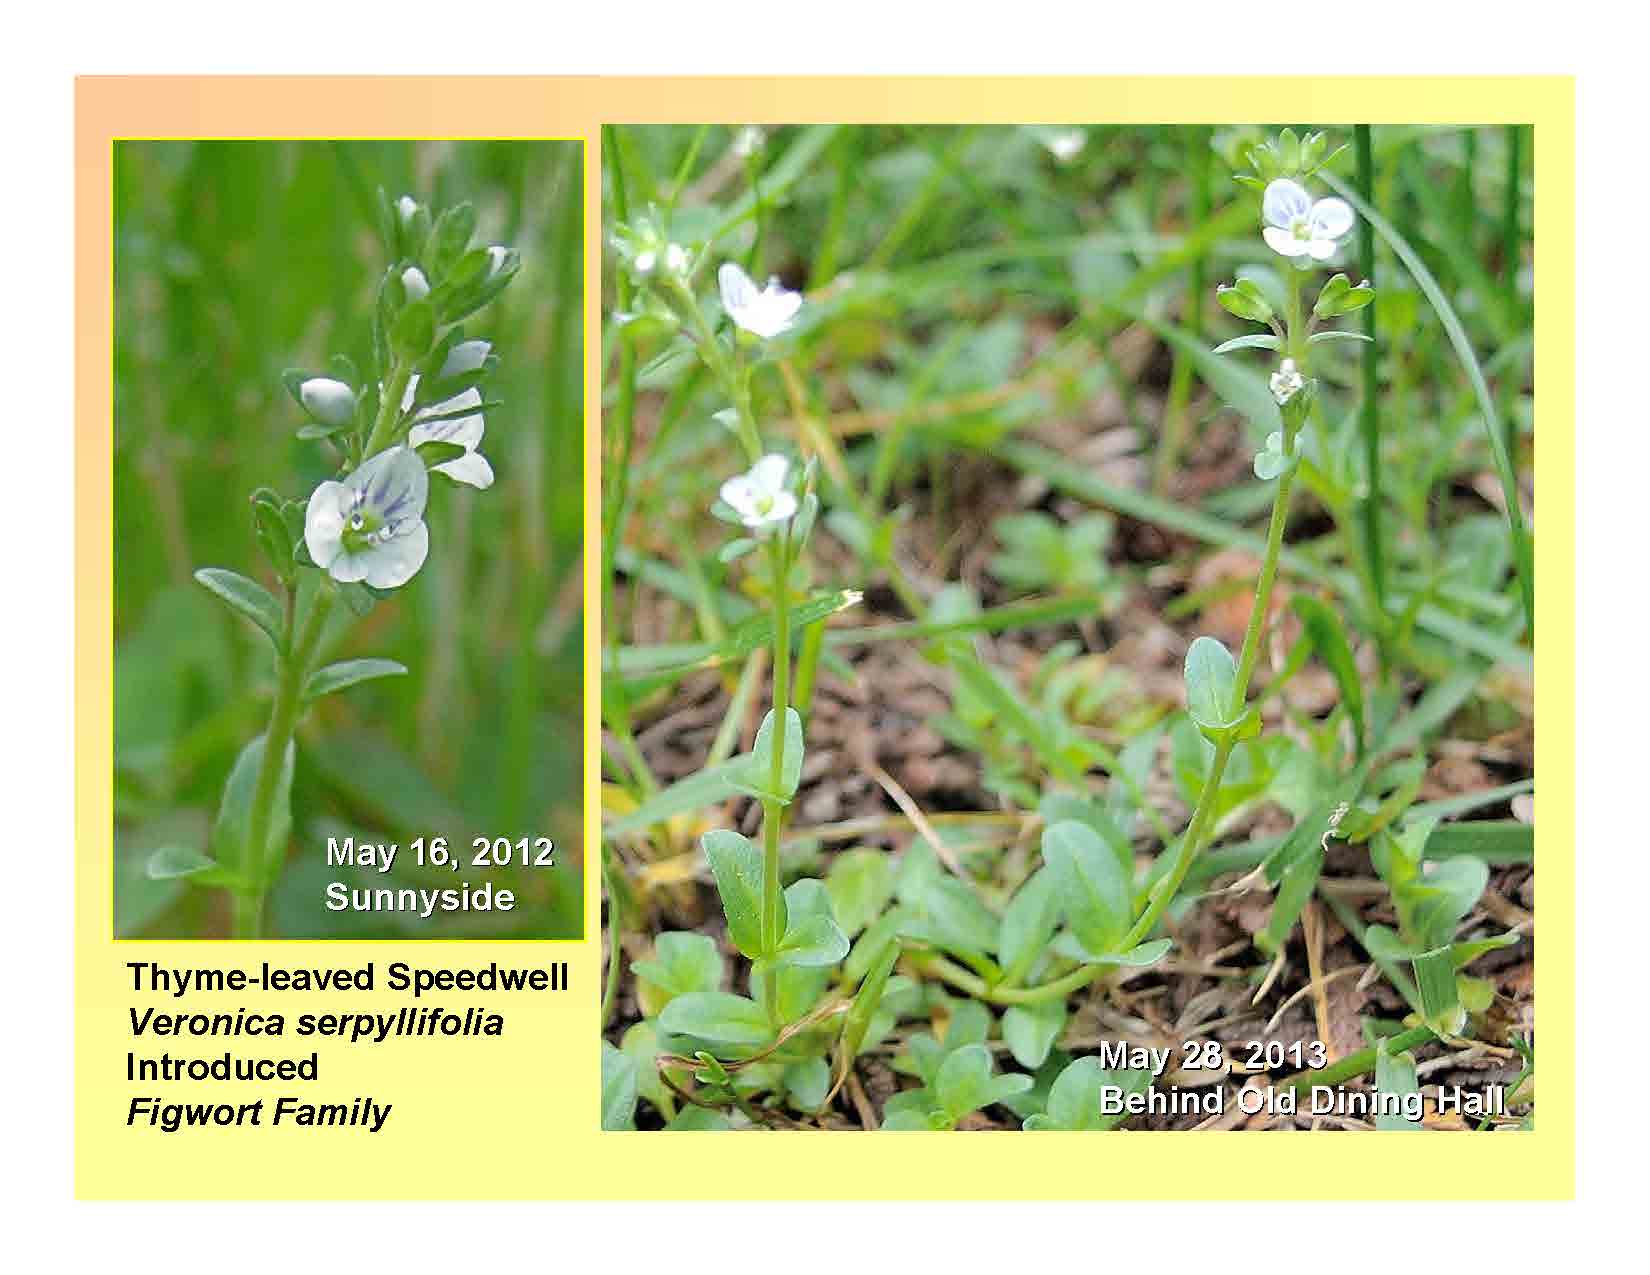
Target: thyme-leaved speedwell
{"x": 983, "y": 942}
{"x": 357, "y": 537}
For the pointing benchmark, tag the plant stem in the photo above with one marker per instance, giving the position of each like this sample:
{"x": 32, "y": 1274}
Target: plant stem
{"x": 1357, "y": 1064}
{"x": 772, "y": 810}
{"x": 283, "y": 719}
{"x": 389, "y": 409}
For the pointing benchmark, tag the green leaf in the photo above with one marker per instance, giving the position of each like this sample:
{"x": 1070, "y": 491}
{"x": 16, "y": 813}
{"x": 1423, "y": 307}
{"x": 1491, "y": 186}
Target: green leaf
{"x": 619, "y": 1080}
{"x": 860, "y": 883}
{"x": 450, "y": 238}
{"x": 808, "y": 1082}
{"x": 173, "y": 862}
{"x": 274, "y": 536}
{"x": 1523, "y": 552}
{"x": 635, "y": 662}
{"x": 1031, "y": 1030}
{"x": 1323, "y": 626}
{"x": 965, "y": 1082}
{"x": 435, "y": 453}
{"x": 682, "y": 962}
{"x": 710, "y": 787}
{"x": 757, "y": 779}
{"x": 1254, "y": 341}
{"x": 1440, "y": 995}
{"x": 868, "y": 1000}
{"x": 335, "y": 677}
{"x": 1074, "y": 1100}
{"x": 1335, "y": 334}
{"x": 1069, "y": 945}
{"x": 231, "y": 832}
{"x": 414, "y": 329}
{"x": 1028, "y": 925}
{"x": 717, "y": 1017}
{"x": 948, "y": 914}
{"x": 248, "y": 597}
{"x": 737, "y": 866}
{"x": 812, "y": 937}
{"x": 1395, "y": 1076}
{"x": 1092, "y": 886}
{"x": 1211, "y": 679}
{"x": 1440, "y": 899}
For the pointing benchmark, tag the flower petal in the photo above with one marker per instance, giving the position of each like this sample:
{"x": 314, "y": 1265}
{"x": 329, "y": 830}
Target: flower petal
{"x": 466, "y": 431}
{"x": 1331, "y": 218}
{"x": 738, "y": 292}
{"x": 1321, "y": 249}
{"x": 1281, "y": 241}
{"x": 394, "y": 484}
{"x": 784, "y": 505}
{"x": 768, "y": 474}
{"x": 471, "y": 469}
{"x": 391, "y": 564}
{"x": 739, "y": 494}
{"x": 1284, "y": 201}
{"x": 324, "y": 522}
{"x": 348, "y": 568}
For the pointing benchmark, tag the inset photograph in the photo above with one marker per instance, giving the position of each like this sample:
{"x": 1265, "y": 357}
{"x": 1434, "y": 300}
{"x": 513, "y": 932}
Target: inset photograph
{"x": 1068, "y": 608}
{"x": 347, "y": 539}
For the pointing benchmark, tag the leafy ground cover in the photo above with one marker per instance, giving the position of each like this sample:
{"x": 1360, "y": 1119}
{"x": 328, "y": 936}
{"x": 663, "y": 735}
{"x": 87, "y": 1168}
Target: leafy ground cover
{"x": 1025, "y": 483}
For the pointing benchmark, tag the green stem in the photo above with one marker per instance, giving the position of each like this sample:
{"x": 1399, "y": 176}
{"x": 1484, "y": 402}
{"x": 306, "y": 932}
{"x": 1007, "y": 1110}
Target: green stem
{"x": 1357, "y": 1064}
{"x": 1268, "y": 575}
{"x": 389, "y": 409}
{"x": 772, "y": 811}
{"x": 283, "y": 720}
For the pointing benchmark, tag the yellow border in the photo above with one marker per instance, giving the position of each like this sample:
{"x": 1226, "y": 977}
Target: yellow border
{"x": 516, "y": 1118}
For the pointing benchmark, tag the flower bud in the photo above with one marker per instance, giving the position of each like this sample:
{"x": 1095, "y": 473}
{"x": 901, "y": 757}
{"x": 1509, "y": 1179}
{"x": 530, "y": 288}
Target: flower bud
{"x": 466, "y": 356}
{"x": 328, "y": 401}
{"x": 417, "y": 286}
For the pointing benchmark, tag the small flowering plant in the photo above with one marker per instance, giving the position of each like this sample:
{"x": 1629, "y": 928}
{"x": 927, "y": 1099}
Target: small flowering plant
{"x": 791, "y": 1041}
{"x": 361, "y": 534}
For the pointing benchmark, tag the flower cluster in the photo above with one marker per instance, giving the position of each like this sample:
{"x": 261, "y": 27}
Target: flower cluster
{"x": 1305, "y": 231}
{"x": 367, "y": 526}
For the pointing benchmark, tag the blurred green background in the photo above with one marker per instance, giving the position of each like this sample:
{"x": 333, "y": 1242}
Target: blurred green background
{"x": 233, "y": 261}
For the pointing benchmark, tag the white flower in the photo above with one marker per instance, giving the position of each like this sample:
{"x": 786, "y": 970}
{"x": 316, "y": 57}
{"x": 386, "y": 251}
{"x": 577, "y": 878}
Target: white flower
{"x": 1286, "y": 382}
{"x": 676, "y": 258}
{"x": 330, "y": 402}
{"x": 759, "y": 497}
{"x": 471, "y": 468}
{"x": 645, "y": 261}
{"x": 1297, "y": 226}
{"x": 371, "y": 526}
{"x": 748, "y": 140}
{"x": 766, "y": 313}
{"x": 417, "y": 286}
{"x": 496, "y": 257}
{"x": 1066, "y": 145}
{"x": 407, "y": 207}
